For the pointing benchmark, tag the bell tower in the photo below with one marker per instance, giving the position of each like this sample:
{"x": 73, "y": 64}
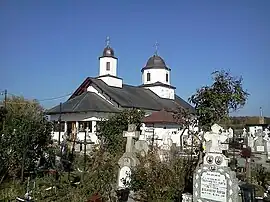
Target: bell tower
{"x": 156, "y": 76}
{"x": 108, "y": 66}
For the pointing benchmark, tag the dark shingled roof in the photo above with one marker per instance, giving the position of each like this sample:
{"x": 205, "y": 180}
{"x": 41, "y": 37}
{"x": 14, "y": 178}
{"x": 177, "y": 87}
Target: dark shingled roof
{"x": 138, "y": 97}
{"x": 126, "y": 97}
{"x": 85, "y": 102}
{"x": 155, "y": 62}
{"x": 160, "y": 117}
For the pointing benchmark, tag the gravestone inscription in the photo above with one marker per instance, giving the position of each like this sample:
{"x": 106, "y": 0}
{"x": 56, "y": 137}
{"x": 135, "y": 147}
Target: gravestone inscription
{"x": 213, "y": 180}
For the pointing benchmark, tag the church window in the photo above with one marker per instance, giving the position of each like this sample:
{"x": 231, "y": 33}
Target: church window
{"x": 148, "y": 76}
{"x": 167, "y": 77}
{"x": 108, "y": 66}
{"x": 84, "y": 124}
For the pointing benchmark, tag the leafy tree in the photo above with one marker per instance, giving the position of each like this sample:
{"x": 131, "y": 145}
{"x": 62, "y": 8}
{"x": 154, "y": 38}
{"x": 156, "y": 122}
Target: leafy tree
{"x": 26, "y": 136}
{"x": 110, "y": 131}
{"x": 214, "y": 103}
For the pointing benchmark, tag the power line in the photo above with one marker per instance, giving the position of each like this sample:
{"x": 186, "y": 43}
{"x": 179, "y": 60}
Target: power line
{"x": 39, "y": 100}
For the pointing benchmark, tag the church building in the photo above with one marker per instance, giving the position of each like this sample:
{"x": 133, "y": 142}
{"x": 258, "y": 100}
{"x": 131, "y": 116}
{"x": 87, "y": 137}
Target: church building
{"x": 99, "y": 97}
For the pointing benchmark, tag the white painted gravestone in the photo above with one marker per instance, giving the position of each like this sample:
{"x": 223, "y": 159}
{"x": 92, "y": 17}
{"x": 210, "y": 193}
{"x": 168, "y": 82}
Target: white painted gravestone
{"x": 141, "y": 147}
{"x": 214, "y": 181}
{"x": 267, "y": 139}
{"x": 259, "y": 142}
{"x": 128, "y": 160}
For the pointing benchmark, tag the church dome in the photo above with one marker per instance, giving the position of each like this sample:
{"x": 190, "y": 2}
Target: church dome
{"x": 155, "y": 62}
{"x": 108, "y": 52}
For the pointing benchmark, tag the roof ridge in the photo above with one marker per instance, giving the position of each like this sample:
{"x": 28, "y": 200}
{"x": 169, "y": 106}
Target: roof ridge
{"x": 78, "y": 103}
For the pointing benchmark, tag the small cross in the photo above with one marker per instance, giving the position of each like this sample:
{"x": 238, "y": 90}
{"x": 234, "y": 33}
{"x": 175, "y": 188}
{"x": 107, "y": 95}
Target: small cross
{"x": 107, "y": 41}
{"x": 130, "y": 135}
{"x": 156, "y": 47}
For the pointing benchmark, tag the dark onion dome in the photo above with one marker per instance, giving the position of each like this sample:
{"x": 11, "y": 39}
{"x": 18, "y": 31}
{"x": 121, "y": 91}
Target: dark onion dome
{"x": 155, "y": 62}
{"x": 108, "y": 52}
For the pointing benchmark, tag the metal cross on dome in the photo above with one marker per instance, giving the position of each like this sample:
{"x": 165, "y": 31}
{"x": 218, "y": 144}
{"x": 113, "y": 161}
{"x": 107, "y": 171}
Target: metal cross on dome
{"x": 156, "y": 45}
{"x": 107, "y": 41}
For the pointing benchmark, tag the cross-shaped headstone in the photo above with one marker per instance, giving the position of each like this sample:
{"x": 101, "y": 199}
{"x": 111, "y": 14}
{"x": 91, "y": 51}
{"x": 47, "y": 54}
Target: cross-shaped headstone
{"x": 131, "y": 134}
{"x": 266, "y": 132}
{"x": 216, "y": 141}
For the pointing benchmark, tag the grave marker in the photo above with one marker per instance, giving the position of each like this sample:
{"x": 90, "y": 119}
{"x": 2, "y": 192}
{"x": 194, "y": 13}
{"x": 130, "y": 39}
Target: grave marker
{"x": 214, "y": 181}
{"x": 129, "y": 159}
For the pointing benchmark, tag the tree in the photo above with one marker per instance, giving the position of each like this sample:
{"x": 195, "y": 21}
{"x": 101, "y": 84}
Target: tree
{"x": 26, "y": 136}
{"x": 110, "y": 131}
{"x": 214, "y": 103}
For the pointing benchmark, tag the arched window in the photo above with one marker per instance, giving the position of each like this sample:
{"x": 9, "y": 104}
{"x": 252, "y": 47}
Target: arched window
{"x": 148, "y": 76}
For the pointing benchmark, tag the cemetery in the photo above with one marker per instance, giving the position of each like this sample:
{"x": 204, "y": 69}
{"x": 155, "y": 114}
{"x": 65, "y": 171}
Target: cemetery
{"x": 133, "y": 156}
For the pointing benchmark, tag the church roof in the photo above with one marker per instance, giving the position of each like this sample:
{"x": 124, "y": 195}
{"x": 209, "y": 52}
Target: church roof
{"x": 158, "y": 83}
{"x": 126, "y": 97}
{"x": 160, "y": 117}
{"x": 155, "y": 62}
{"x": 85, "y": 102}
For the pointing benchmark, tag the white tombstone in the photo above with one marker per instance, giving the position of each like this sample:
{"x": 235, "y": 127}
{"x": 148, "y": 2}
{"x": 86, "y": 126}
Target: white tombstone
{"x": 216, "y": 141}
{"x": 129, "y": 159}
{"x": 216, "y": 128}
{"x": 230, "y": 130}
{"x": 213, "y": 180}
{"x": 124, "y": 177}
{"x": 267, "y": 140}
{"x": 141, "y": 147}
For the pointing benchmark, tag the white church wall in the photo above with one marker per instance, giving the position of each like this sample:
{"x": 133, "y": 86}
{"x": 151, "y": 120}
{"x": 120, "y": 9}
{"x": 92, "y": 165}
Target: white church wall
{"x": 103, "y": 64}
{"x": 164, "y": 133}
{"x": 94, "y": 90}
{"x": 156, "y": 75}
{"x": 76, "y": 117}
{"x": 163, "y": 92}
{"x": 112, "y": 81}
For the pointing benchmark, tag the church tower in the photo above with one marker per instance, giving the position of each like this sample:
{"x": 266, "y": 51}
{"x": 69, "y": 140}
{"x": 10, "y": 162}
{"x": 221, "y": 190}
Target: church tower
{"x": 156, "y": 77}
{"x": 108, "y": 67}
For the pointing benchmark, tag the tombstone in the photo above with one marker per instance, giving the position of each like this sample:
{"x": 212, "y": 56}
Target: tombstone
{"x": 186, "y": 197}
{"x": 244, "y": 134}
{"x": 141, "y": 147}
{"x": 267, "y": 142}
{"x": 215, "y": 142}
{"x": 259, "y": 142}
{"x": 213, "y": 180}
{"x": 216, "y": 128}
{"x": 251, "y": 140}
{"x": 230, "y": 133}
{"x": 129, "y": 159}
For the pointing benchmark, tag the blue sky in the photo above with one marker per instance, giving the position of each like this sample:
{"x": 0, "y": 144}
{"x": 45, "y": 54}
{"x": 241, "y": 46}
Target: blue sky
{"x": 49, "y": 47}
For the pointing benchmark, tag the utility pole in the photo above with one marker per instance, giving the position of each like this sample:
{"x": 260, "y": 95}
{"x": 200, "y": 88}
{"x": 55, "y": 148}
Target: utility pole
{"x": 5, "y": 109}
{"x": 59, "y": 120}
{"x": 5, "y": 104}
{"x": 24, "y": 156}
{"x": 86, "y": 133}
